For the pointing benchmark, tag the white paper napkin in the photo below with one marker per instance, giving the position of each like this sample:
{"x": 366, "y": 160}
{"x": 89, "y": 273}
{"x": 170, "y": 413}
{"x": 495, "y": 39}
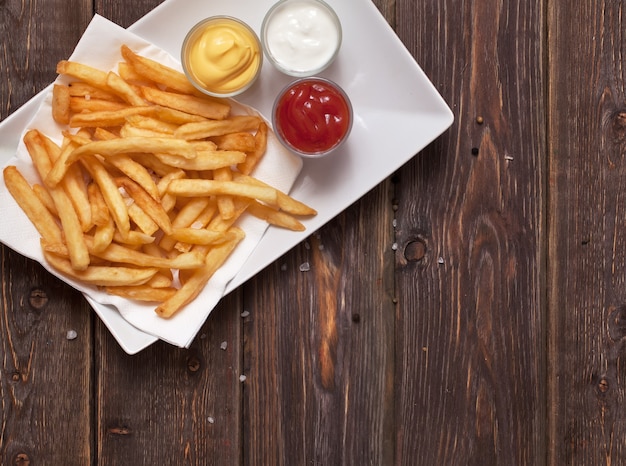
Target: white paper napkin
{"x": 100, "y": 48}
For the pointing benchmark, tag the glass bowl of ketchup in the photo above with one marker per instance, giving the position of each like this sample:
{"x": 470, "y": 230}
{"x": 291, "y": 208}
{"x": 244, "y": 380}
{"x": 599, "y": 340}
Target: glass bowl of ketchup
{"x": 312, "y": 116}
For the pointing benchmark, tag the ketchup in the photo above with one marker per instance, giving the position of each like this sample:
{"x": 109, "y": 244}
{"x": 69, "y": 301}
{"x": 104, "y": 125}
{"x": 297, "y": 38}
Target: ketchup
{"x": 312, "y": 116}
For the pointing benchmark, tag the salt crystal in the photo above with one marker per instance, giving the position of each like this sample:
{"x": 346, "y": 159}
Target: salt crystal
{"x": 305, "y": 267}
{"x": 224, "y": 345}
{"x": 71, "y": 335}
{"x": 242, "y": 378}
{"x": 245, "y": 314}
{"x": 440, "y": 260}
{"x": 394, "y": 246}
{"x": 211, "y": 419}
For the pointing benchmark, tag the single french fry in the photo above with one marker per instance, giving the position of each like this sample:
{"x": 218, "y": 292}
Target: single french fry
{"x": 133, "y": 238}
{"x": 254, "y": 156}
{"x": 199, "y": 236}
{"x": 89, "y": 92}
{"x": 108, "y": 118}
{"x": 275, "y": 217}
{"x": 285, "y": 202}
{"x": 204, "y": 160}
{"x": 240, "y": 141}
{"x": 61, "y": 104}
{"x": 136, "y": 172}
{"x": 130, "y": 131}
{"x": 170, "y": 115}
{"x": 74, "y": 185}
{"x": 101, "y": 275}
{"x": 161, "y": 279}
{"x": 151, "y": 123}
{"x": 216, "y": 256}
{"x": 44, "y": 196}
{"x": 119, "y": 254}
{"x": 72, "y": 229}
{"x": 82, "y": 105}
{"x": 212, "y": 128}
{"x": 99, "y": 209}
{"x": 209, "y": 108}
{"x": 101, "y": 134}
{"x": 157, "y": 72}
{"x": 225, "y": 202}
{"x": 82, "y": 72}
{"x": 143, "y": 221}
{"x": 196, "y": 188}
{"x": 150, "y": 162}
{"x": 136, "y": 144}
{"x": 57, "y": 171}
{"x": 128, "y": 74}
{"x": 32, "y": 206}
{"x": 110, "y": 193}
{"x": 124, "y": 90}
{"x": 103, "y": 236}
{"x": 76, "y": 189}
{"x": 145, "y": 293}
{"x": 148, "y": 204}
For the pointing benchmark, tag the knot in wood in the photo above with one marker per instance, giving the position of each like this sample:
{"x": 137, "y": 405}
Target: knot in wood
{"x": 119, "y": 430}
{"x": 38, "y": 299}
{"x": 193, "y": 364}
{"x": 415, "y": 250}
{"x": 22, "y": 459}
{"x": 603, "y": 385}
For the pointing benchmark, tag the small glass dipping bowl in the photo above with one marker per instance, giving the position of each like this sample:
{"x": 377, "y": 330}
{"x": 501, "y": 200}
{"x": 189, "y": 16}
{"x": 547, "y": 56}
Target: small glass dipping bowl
{"x": 301, "y": 37}
{"x": 222, "y": 56}
{"x": 312, "y": 117}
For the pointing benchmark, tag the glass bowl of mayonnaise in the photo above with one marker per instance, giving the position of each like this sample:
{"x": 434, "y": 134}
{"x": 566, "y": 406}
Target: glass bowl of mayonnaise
{"x": 301, "y": 37}
{"x": 222, "y": 56}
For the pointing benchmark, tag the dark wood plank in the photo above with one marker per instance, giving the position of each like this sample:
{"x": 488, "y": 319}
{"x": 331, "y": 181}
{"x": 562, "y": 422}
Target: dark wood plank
{"x": 470, "y": 342}
{"x": 319, "y": 346}
{"x": 125, "y": 13}
{"x": 173, "y": 406}
{"x": 587, "y": 263}
{"x": 46, "y": 379}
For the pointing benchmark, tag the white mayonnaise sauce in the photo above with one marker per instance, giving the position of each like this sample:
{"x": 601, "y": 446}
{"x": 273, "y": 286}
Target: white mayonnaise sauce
{"x": 302, "y": 35}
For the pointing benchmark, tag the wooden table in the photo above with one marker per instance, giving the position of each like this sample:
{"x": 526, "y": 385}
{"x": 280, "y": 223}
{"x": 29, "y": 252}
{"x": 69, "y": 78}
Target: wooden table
{"x": 493, "y": 333}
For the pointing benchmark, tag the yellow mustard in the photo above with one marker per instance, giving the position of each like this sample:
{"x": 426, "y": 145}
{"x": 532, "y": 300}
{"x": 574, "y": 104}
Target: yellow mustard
{"x": 224, "y": 56}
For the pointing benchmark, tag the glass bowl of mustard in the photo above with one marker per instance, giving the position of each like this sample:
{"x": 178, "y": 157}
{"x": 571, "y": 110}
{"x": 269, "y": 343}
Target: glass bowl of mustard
{"x": 222, "y": 56}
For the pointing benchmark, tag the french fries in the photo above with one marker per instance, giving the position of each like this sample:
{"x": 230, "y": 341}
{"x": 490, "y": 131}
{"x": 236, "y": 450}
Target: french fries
{"x": 147, "y": 184}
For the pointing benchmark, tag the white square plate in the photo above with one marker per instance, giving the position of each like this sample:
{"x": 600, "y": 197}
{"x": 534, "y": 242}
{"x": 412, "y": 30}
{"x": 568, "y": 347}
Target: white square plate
{"x": 397, "y": 112}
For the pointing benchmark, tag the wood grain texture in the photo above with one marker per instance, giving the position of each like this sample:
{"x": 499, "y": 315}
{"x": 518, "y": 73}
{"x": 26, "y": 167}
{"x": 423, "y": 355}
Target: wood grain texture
{"x": 470, "y": 341}
{"x": 587, "y": 233}
{"x": 319, "y": 350}
{"x": 172, "y": 406}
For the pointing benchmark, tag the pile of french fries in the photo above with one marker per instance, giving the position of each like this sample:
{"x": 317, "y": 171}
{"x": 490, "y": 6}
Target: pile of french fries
{"x": 142, "y": 196}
